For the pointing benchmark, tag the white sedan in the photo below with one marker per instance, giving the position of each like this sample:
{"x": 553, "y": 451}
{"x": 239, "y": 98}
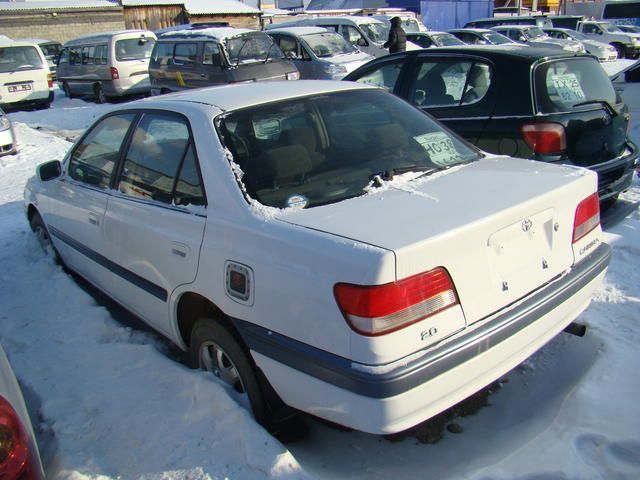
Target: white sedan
{"x": 324, "y": 245}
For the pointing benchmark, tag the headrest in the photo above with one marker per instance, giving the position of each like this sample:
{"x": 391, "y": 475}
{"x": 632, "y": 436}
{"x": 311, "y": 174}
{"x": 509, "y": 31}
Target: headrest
{"x": 288, "y": 162}
{"x": 389, "y": 136}
{"x": 304, "y": 136}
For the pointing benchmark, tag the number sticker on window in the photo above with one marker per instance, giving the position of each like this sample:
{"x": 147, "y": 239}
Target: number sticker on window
{"x": 439, "y": 147}
{"x": 568, "y": 87}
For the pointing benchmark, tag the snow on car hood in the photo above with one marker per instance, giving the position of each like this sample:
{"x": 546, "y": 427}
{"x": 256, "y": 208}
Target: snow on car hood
{"x": 395, "y": 214}
{"x": 351, "y": 61}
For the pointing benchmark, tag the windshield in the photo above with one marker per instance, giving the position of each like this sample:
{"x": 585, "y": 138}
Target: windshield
{"x": 376, "y": 32}
{"x": 497, "y": 38}
{"x": 608, "y": 27}
{"x": 562, "y": 85}
{"x": 134, "y": 48}
{"x": 19, "y": 58}
{"x": 535, "y": 32}
{"x": 251, "y": 47}
{"x": 326, "y": 148}
{"x": 446, "y": 40}
{"x": 577, "y": 35}
{"x": 328, "y": 44}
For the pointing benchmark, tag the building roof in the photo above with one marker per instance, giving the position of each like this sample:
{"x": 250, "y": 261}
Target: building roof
{"x": 199, "y": 7}
{"x": 58, "y": 5}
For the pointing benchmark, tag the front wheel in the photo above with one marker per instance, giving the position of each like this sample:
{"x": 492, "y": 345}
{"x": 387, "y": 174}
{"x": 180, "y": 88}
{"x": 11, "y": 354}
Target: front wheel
{"x": 214, "y": 349}
{"x": 99, "y": 94}
{"x": 42, "y": 234}
{"x": 619, "y": 49}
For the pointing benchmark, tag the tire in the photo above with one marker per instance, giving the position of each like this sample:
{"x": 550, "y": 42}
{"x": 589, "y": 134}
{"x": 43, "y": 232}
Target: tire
{"x": 99, "y": 94}
{"x": 40, "y": 229}
{"x": 619, "y": 49}
{"x": 215, "y": 349}
{"x": 67, "y": 90}
{"x": 608, "y": 204}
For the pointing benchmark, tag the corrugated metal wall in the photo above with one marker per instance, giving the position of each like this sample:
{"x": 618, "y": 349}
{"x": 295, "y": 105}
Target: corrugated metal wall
{"x": 446, "y": 14}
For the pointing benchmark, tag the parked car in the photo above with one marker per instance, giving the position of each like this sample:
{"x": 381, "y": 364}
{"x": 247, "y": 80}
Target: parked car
{"x": 107, "y": 65}
{"x": 324, "y": 245}
{"x": 409, "y": 23}
{"x": 7, "y": 137}
{"x": 198, "y": 58}
{"x": 25, "y": 79}
{"x": 367, "y": 33}
{"x": 626, "y": 44}
{"x": 19, "y": 456}
{"x": 539, "y": 21}
{"x": 537, "y": 103}
{"x": 629, "y": 28}
{"x": 603, "y": 51}
{"x": 433, "y": 39}
{"x": 318, "y": 53}
{"x": 534, "y": 36}
{"x": 51, "y": 50}
{"x": 481, "y": 36}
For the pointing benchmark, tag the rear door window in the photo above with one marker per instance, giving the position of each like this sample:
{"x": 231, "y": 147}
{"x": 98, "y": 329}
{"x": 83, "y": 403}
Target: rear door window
{"x": 185, "y": 53}
{"x": 384, "y": 76}
{"x": 572, "y": 84}
{"x": 94, "y": 157}
{"x": 158, "y": 149}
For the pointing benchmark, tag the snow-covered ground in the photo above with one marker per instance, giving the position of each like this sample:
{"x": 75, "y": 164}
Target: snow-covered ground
{"x": 113, "y": 401}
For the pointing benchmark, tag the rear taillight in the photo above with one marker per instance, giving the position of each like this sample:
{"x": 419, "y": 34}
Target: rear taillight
{"x": 50, "y": 80}
{"x": 545, "y": 138}
{"x": 380, "y": 309}
{"x": 587, "y": 217}
{"x": 14, "y": 445}
{"x": 115, "y": 75}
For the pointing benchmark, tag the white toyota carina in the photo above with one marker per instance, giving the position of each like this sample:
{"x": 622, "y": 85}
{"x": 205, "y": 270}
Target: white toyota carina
{"x": 324, "y": 245}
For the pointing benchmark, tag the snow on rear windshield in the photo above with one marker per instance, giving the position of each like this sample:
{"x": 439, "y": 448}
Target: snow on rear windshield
{"x": 322, "y": 149}
{"x": 19, "y": 58}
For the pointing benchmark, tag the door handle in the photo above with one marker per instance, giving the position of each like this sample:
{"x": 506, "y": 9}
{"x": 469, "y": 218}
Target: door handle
{"x": 180, "y": 250}
{"x": 93, "y": 219}
{"x": 203, "y": 75}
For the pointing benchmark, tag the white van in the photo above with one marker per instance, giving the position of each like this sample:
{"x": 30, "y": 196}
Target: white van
{"x": 25, "y": 78}
{"x": 111, "y": 64}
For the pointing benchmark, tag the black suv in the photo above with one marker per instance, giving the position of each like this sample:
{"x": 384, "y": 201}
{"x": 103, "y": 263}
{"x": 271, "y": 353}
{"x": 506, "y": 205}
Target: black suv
{"x": 530, "y": 102}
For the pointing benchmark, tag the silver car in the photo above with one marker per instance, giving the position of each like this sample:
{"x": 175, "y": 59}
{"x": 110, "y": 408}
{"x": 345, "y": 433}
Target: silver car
{"x": 19, "y": 455}
{"x": 534, "y": 36}
{"x": 603, "y": 51}
{"x": 318, "y": 53}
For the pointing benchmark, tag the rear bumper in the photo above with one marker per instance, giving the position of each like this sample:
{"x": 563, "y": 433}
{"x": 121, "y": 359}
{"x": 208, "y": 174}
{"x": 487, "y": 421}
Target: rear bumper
{"x": 616, "y": 175}
{"x": 393, "y": 397}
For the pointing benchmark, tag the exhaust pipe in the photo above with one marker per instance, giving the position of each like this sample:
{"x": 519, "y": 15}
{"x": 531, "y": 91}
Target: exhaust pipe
{"x": 577, "y": 329}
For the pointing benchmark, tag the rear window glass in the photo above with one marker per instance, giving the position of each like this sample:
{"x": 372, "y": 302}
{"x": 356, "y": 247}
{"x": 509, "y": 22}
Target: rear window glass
{"x": 316, "y": 150}
{"x": 134, "y": 48}
{"x": 566, "y": 85}
{"x": 19, "y": 58}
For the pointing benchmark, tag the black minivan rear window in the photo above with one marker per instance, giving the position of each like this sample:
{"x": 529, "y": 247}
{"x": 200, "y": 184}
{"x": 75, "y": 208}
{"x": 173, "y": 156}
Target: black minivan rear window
{"x": 571, "y": 84}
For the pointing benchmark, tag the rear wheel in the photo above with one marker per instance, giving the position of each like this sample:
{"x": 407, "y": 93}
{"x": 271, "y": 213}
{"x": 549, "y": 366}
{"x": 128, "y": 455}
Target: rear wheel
{"x": 99, "y": 94}
{"x": 215, "y": 349}
{"x": 67, "y": 90}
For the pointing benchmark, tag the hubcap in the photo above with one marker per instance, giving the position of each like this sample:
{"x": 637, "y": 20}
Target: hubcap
{"x": 213, "y": 359}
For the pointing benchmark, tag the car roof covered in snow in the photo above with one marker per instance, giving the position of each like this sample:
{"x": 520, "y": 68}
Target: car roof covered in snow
{"x": 299, "y": 31}
{"x": 218, "y": 33}
{"x": 233, "y": 97}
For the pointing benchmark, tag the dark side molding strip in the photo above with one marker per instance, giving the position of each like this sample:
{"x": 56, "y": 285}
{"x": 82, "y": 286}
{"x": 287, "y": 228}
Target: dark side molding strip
{"x": 343, "y": 373}
{"x": 149, "y": 287}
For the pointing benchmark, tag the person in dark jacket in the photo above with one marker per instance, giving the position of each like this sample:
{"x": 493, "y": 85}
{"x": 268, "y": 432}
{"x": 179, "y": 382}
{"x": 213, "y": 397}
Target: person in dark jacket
{"x": 397, "y": 38}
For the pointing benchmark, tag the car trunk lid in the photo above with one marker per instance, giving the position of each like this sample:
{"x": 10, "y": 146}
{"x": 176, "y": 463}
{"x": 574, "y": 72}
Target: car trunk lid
{"x": 501, "y": 227}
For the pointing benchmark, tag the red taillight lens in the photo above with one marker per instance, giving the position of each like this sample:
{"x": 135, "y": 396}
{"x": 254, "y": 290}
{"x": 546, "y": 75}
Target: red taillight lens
{"x": 50, "y": 80}
{"x": 115, "y": 75}
{"x": 545, "y": 138}
{"x": 587, "y": 217}
{"x": 379, "y": 309}
{"x": 14, "y": 444}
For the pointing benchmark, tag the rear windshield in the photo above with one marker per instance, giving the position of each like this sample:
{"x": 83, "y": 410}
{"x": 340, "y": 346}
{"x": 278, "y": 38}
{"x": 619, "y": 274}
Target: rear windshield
{"x": 328, "y": 44}
{"x": 497, "y": 38}
{"x": 251, "y": 47}
{"x": 51, "y": 49}
{"x": 572, "y": 84}
{"x": 19, "y": 58}
{"x": 446, "y": 40}
{"x": 134, "y": 48}
{"x": 322, "y": 149}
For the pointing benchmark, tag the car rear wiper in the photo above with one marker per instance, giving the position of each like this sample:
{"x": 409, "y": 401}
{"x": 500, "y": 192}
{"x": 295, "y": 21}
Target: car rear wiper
{"x": 608, "y": 107}
{"x": 388, "y": 175}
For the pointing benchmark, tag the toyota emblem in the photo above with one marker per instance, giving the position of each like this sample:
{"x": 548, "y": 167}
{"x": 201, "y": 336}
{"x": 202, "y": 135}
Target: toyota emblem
{"x": 526, "y": 225}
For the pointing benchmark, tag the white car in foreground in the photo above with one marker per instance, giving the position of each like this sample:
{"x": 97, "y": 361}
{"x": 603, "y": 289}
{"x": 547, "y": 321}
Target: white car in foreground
{"x": 19, "y": 456}
{"x": 324, "y": 245}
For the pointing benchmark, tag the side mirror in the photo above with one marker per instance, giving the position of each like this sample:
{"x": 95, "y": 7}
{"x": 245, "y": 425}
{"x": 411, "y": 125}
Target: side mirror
{"x": 49, "y": 171}
{"x": 361, "y": 42}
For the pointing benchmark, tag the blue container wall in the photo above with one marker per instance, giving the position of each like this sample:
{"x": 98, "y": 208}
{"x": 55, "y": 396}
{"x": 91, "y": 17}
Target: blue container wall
{"x": 443, "y": 15}
{"x": 411, "y": 5}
